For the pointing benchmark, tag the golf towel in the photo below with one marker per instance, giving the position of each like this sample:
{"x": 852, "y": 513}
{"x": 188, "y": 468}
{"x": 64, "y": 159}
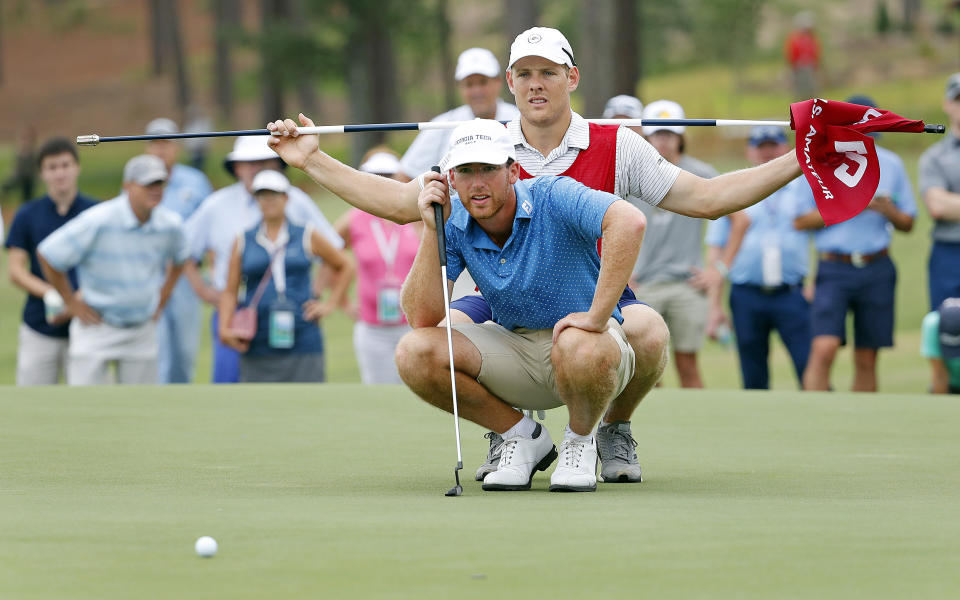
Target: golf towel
{"x": 837, "y": 157}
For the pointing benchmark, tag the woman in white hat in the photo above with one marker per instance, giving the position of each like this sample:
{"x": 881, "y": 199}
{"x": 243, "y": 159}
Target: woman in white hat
{"x": 273, "y": 260}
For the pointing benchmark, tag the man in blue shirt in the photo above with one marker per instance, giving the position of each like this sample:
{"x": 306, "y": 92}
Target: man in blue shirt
{"x": 855, "y": 273}
{"x": 178, "y": 331}
{"x": 556, "y": 335}
{"x": 765, "y": 259}
{"x": 42, "y": 342}
{"x": 128, "y": 253}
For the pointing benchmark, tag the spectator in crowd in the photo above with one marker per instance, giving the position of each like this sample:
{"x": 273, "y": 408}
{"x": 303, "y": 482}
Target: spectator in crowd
{"x": 940, "y": 190}
{"x": 672, "y": 251}
{"x": 384, "y": 252}
{"x": 624, "y": 107}
{"x": 42, "y": 342}
{"x": 273, "y": 259}
{"x": 178, "y": 331}
{"x": 479, "y": 82}
{"x": 197, "y": 121}
{"x": 941, "y": 346}
{"x": 228, "y": 212}
{"x": 128, "y": 253}
{"x": 855, "y": 273}
{"x": 802, "y": 51}
{"x": 766, "y": 261}
{"x": 24, "y": 165}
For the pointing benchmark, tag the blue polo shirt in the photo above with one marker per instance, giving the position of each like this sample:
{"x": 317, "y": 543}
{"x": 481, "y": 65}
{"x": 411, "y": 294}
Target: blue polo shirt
{"x": 33, "y": 222}
{"x": 185, "y": 190}
{"x": 868, "y": 232}
{"x": 549, "y": 266}
{"x": 771, "y": 221}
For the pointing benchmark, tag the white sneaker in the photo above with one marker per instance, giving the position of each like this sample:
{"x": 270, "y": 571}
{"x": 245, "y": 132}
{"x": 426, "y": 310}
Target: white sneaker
{"x": 577, "y": 468}
{"x": 520, "y": 458}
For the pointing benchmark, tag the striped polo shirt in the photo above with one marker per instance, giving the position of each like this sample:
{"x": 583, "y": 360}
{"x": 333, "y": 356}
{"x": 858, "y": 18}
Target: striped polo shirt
{"x": 640, "y": 170}
{"x": 121, "y": 264}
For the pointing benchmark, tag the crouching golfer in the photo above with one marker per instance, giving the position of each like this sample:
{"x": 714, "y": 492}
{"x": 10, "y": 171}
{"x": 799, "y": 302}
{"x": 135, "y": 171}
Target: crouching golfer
{"x": 555, "y": 337}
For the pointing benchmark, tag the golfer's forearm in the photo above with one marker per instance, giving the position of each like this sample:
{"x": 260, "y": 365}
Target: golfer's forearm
{"x": 735, "y": 191}
{"x": 943, "y": 205}
{"x": 379, "y": 196}
{"x": 421, "y": 296}
{"x": 623, "y": 229}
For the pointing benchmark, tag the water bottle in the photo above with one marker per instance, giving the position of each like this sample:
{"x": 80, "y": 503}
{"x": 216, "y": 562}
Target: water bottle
{"x": 724, "y": 335}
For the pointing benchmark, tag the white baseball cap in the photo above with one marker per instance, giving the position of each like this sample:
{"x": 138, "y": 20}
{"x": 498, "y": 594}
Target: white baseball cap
{"x": 476, "y": 61}
{"x": 663, "y": 109}
{"x": 248, "y": 149}
{"x": 268, "y": 179}
{"x": 479, "y": 141}
{"x": 542, "y": 41}
{"x": 381, "y": 163}
{"x": 628, "y": 106}
{"x": 162, "y": 126}
{"x": 145, "y": 169}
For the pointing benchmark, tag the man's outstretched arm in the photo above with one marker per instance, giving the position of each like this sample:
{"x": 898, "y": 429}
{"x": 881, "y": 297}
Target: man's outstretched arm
{"x": 379, "y": 196}
{"x": 711, "y": 198}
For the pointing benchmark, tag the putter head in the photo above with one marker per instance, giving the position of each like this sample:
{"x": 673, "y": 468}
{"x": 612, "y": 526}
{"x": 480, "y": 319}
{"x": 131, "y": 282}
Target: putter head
{"x": 88, "y": 140}
{"x": 456, "y": 490}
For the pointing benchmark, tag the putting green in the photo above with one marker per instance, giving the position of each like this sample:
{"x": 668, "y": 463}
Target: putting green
{"x": 337, "y": 491}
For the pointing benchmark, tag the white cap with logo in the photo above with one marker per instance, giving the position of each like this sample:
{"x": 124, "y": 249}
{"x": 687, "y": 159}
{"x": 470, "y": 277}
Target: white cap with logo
{"x": 476, "y": 61}
{"x": 271, "y": 180}
{"x": 663, "y": 109}
{"x": 479, "y": 141}
{"x": 542, "y": 41}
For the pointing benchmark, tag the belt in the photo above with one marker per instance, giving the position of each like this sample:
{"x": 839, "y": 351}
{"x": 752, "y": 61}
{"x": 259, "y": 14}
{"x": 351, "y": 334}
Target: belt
{"x": 856, "y": 259}
{"x": 772, "y": 289}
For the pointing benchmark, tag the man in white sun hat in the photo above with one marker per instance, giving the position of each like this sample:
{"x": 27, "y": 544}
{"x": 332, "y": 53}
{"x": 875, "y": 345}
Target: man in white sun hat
{"x": 665, "y": 276}
{"x": 544, "y": 347}
{"x": 229, "y": 212}
{"x": 550, "y": 139}
{"x": 479, "y": 83}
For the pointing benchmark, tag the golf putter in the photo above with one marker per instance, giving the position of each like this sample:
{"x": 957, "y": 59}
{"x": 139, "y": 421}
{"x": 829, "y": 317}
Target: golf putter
{"x": 442, "y": 247}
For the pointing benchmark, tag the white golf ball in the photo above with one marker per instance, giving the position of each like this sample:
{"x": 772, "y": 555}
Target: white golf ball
{"x": 206, "y": 546}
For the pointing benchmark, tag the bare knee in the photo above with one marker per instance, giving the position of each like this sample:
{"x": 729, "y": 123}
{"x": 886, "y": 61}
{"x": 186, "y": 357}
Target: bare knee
{"x": 584, "y": 352}
{"x": 646, "y": 331}
{"x": 824, "y": 349}
{"x": 417, "y": 356}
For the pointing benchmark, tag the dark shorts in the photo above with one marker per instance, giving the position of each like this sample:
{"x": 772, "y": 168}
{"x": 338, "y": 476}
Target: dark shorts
{"x": 944, "y": 275}
{"x": 477, "y": 308}
{"x": 867, "y": 291}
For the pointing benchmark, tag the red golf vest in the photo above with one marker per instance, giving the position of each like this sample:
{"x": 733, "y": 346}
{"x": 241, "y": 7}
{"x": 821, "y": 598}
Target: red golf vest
{"x": 596, "y": 165}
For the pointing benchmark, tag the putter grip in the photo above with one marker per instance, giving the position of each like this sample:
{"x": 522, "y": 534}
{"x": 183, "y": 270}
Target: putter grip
{"x": 441, "y": 234}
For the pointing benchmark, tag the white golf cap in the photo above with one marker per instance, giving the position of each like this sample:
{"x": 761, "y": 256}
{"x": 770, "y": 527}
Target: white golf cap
{"x": 663, "y": 109}
{"x": 542, "y": 41}
{"x": 476, "y": 61}
{"x": 623, "y": 105}
{"x": 144, "y": 169}
{"x": 268, "y": 179}
{"x": 248, "y": 149}
{"x": 381, "y": 163}
{"x": 479, "y": 141}
{"x": 162, "y": 126}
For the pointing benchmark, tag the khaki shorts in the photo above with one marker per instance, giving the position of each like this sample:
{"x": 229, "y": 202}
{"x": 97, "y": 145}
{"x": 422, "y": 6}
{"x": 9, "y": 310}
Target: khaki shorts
{"x": 682, "y": 307}
{"x": 516, "y": 364}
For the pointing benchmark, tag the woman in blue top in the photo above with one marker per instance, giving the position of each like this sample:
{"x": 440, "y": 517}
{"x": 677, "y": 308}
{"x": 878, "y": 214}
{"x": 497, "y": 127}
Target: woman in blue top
{"x": 288, "y": 344}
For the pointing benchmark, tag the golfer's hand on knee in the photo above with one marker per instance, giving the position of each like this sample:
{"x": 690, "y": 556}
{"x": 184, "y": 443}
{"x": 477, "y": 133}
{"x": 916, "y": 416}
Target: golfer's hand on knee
{"x": 580, "y": 320}
{"x": 292, "y": 147}
{"x": 433, "y": 190}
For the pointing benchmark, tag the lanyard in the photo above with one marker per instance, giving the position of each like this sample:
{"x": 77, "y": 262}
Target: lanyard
{"x": 278, "y": 255}
{"x": 388, "y": 247}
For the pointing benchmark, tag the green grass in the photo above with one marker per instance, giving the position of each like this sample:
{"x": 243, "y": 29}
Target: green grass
{"x": 337, "y": 491}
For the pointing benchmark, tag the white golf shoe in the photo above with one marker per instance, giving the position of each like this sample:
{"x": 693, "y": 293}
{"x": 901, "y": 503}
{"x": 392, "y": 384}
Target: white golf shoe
{"x": 520, "y": 458}
{"x": 577, "y": 468}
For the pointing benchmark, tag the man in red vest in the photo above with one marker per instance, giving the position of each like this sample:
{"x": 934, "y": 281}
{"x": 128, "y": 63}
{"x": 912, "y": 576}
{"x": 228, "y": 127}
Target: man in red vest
{"x": 551, "y": 139}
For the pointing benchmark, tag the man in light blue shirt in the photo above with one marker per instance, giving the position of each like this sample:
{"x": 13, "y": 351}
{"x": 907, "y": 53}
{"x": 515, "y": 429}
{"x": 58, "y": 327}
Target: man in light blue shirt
{"x": 128, "y": 253}
{"x": 766, "y": 260}
{"x": 227, "y": 213}
{"x": 178, "y": 331}
{"x": 555, "y": 336}
{"x": 855, "y": 273}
